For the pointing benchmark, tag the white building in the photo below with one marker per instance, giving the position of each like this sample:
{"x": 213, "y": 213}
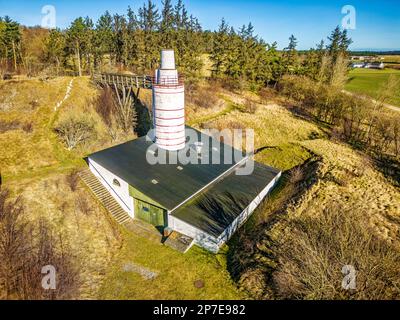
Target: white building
{"x": 206, "y": 203}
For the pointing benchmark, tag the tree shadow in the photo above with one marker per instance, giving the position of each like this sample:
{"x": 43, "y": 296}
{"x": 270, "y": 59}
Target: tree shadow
{"x": 144, "y": 123}
{"x": 253, "y": 242}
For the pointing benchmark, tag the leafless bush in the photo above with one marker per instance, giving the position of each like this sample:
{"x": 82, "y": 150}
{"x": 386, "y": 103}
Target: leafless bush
{"x": 27, "y": 127}
{"x": 75, "y": 130}
{"x": 125, "y": 112}
{"x": 83, "y": 205}
{"x": 353, "y": 119}
{"x": 296, "y": 175}
{"x": 266, "y": 95}
{"x": 316, "y": 249}
{"x": 9, "y": 125}
{"x": 106, "y": 105}
{"x": 72, "y": 180}
{"x": 47, "y": 250}
{"x": 13, "y": 243}
{"x": 234, "y": 85}
{"x": 250, "y": 106}
{"x": 25, "y": 250}
{"x": 205, "y": 97}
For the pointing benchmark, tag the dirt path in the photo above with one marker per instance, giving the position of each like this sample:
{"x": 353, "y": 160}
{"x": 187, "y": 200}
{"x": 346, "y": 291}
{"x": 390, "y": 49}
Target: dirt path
{"x": 386, "y": 105}
{"x": 67, "y": 95}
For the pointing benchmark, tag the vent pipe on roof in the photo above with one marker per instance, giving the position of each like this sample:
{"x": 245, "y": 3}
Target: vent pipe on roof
{"x": 169, "y": 105}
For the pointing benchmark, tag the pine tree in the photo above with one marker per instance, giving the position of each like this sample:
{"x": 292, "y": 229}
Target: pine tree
{"x": 11, "y": 40}
{"x": 345, "y": 42}
{"x": 167, "y": 25}
{"x": 220, "y": 48}
{"x": 78, "y": 40}
{"x": 335, "y": 43}
{"x": 150, "y": 19}
{"x": 54, "y": 47}
{"x": 290, "y": 56}
{"x": 104, "y": 37}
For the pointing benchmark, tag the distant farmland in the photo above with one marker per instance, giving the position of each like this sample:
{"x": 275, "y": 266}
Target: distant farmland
{"x": 369, "y": 81}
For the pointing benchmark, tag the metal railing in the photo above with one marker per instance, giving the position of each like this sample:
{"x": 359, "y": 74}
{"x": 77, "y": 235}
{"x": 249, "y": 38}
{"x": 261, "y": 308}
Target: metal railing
{"x": 135, "y": 81}
{"x": 122, "y": 80}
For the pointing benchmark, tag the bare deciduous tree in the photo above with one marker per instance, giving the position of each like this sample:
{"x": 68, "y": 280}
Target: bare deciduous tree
{"x": 75, "y": 130}
{"x": 25, "y": 250}
{"x": 126, "y": 115}
{"x": 105, "y": 107}
{"x": 13, "y": 243}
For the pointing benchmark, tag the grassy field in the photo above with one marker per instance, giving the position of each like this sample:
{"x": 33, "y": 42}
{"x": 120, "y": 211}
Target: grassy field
{"x": 369, "y": 82}
{"x": 35, "y": 164}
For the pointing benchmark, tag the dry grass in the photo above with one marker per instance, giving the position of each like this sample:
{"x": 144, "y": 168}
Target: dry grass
{"x": 318, "y": 274}
{"x": 345, "y": 179}
{"x": 88, "y": 233}
{"x": 36, "y": 148}
{"x": 46, "y": 179}
{"x": 350, "y": 216}
{"x": 365, "y": 189}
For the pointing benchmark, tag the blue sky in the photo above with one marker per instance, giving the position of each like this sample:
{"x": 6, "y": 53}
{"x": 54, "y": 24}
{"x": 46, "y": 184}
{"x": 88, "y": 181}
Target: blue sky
{"x": 377, "y": 24}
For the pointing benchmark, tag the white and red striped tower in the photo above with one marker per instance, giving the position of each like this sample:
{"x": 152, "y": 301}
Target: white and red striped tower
{"x": 169, "y": 105}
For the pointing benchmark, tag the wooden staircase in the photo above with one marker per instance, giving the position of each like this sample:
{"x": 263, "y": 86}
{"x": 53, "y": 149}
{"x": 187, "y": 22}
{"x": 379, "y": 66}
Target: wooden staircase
{"x": 105, "y": 198}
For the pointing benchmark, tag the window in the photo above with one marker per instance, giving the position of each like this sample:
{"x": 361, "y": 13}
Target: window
{"x": 116, "y": 183}
{"x": 145, "y": 209}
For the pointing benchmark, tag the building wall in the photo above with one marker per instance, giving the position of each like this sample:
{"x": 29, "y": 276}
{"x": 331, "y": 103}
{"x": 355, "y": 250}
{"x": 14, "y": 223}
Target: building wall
{"x": 200, "y": 238}
{"x": 120, "y": 194}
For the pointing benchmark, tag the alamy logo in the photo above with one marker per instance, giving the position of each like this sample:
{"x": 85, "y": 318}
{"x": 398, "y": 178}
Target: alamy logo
{"x": 349, "y": 280}
{"x": 208, "y": 149}
{"x": 349, "y": 20}
{"x": 49, "y": 19}
{"x": 49, "y": 280}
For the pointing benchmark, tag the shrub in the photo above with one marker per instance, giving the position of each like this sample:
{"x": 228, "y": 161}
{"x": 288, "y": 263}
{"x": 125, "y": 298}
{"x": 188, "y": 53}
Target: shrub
{"x": 266, "y": 94}
{"x": 25, "y": 249}
{"x": 75, "y": 130}
{"x": 202, "y": 96}
{"x": 316, "y": 249}
{"x": 250, "y": 106}
{"x": 9, "y": 125}
{"x": 72, "y": 180}
{"x": 355, "y": 119}
{"x": 27, "y": 127}
{"x": 105, "y": 105}
{"x": 83, "y": 205}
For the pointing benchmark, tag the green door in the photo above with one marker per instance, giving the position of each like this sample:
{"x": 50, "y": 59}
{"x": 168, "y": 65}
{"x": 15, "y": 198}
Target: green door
{"x": 149, "y": 213}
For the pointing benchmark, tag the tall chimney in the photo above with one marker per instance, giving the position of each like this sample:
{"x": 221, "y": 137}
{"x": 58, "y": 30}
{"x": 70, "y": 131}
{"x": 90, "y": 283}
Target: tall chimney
{"x": 169, "y": 105}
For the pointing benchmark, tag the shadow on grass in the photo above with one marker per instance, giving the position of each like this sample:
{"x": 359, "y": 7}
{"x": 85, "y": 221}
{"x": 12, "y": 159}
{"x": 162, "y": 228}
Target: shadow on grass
{"x": 245, "y": 251}
{"x": 144, "y": 123}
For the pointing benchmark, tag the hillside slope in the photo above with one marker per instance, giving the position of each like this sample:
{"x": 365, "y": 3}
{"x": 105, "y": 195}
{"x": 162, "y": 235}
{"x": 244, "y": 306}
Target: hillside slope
{"x": 36, "y": 165}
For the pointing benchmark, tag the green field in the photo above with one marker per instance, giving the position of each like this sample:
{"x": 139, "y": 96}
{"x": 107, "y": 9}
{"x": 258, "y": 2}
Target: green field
{"x": 369, "y": 82}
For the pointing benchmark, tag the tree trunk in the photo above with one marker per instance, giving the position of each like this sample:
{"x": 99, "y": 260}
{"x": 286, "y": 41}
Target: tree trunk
{"x": 58, "y": 66}
{"x": 78, "y": 58}
{"x": 15, "y": 56}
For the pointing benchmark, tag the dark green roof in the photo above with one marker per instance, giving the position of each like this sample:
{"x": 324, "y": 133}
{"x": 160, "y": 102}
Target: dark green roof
{"x": 128, "y": 161}
{"x": 213, "y": 210}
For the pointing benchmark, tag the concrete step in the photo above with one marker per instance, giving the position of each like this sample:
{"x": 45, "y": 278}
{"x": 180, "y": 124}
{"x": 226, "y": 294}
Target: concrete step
{"x": 104, "y": 197}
